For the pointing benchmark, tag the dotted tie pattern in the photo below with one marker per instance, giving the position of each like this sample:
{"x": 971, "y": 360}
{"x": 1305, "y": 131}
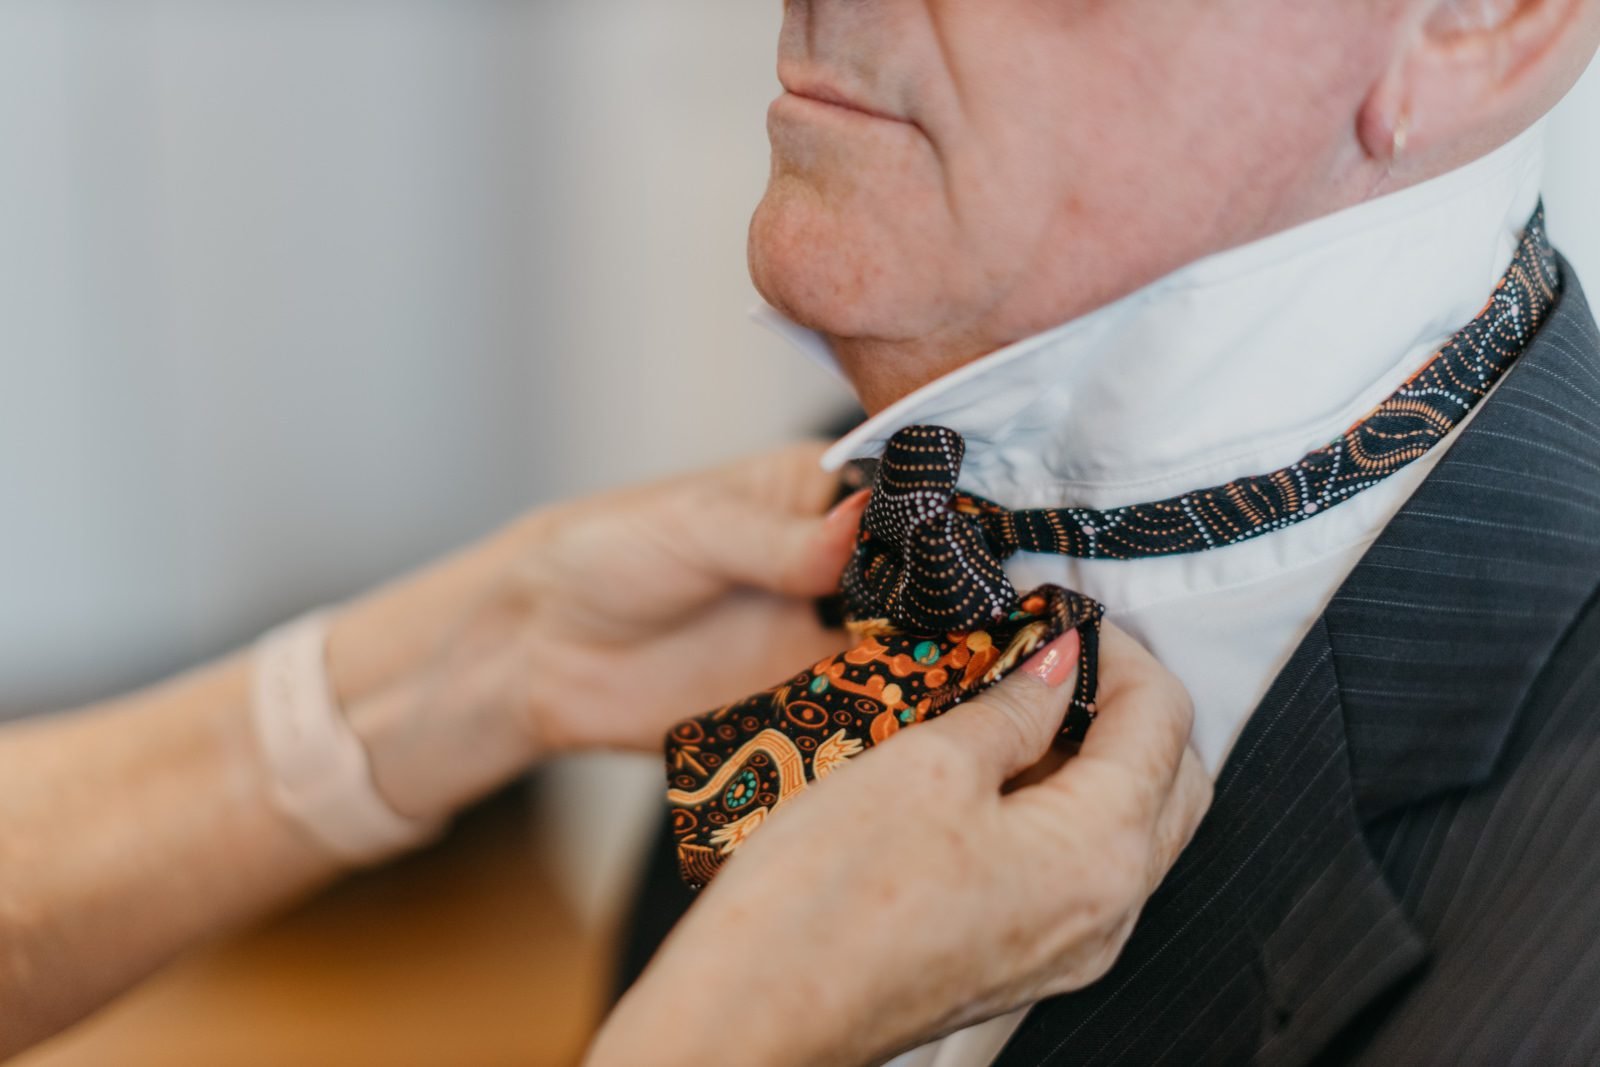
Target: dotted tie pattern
{"x": 1412, "y": 420}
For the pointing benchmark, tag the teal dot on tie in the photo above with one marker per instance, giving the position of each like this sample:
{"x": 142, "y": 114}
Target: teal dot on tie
{"x": 1015, "y": 615}
{"x": 907, "y": 715}
{"x": 819, "y": 684}
{"x": 926, "y": 653}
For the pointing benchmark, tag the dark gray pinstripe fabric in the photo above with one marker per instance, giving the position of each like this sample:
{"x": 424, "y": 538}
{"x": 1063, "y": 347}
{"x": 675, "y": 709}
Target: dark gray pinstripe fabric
{"x": 1504, "y": 880}
{"x": 1402, "y": 865}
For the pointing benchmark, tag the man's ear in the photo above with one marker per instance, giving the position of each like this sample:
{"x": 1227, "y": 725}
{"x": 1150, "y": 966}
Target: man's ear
{"x": 1468, "y": 75}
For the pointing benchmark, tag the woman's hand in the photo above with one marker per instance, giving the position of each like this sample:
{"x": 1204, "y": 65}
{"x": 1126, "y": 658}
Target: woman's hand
{"x": 647, "y": 606}
{"x": 139, "y": 827}
{"x": 597, "y": 623}
{"x": 924, "y": 888}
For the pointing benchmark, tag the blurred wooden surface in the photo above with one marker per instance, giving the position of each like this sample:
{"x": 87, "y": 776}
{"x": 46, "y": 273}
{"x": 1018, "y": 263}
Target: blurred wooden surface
{"x": 462, "y": 954}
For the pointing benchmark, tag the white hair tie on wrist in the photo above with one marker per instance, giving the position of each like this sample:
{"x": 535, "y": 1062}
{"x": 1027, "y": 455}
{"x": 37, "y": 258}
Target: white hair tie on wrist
{"x": 318, "y": 771}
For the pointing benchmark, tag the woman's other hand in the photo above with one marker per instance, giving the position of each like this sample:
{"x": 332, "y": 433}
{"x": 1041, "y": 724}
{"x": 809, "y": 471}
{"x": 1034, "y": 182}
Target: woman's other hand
{"x": 592, "y": 624}
{"x": 924, "y": 887}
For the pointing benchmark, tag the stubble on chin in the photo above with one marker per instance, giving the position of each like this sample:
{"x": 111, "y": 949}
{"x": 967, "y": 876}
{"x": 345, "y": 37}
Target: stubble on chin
{"x": 854, "y": 248}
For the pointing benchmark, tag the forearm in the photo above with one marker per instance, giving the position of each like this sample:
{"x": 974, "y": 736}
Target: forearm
{"x": 132, "y": 830}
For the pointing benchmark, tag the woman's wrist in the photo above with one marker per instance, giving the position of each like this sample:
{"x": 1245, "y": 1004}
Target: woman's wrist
{"x": 442, "y": 735}
{"x": 690, "y": 988}
{"x": 432, "y": 672}
{"x": 649, "y": 1025}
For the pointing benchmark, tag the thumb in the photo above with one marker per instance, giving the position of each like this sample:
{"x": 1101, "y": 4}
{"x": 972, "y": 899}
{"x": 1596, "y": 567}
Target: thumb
{"x": 1011, "y": 726}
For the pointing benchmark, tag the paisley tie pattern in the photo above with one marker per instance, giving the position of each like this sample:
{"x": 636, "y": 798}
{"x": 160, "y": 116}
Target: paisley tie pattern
{"x": 935, "y": 619}
{"x": 1401, "y": 429}
{"x": 729, "y": 768}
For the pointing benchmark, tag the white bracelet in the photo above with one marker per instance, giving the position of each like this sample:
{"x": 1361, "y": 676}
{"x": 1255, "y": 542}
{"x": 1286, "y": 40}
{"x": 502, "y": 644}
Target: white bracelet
{"x": 318, "y": 769}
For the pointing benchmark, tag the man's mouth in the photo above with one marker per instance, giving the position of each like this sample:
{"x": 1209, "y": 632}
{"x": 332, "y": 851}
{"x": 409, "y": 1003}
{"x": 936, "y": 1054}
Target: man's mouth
{"x": 824, "y": 93}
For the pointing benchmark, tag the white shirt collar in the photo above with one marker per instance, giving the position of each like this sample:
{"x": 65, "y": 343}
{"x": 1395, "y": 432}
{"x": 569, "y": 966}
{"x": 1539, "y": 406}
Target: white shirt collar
{"x": 1236, "y": 364}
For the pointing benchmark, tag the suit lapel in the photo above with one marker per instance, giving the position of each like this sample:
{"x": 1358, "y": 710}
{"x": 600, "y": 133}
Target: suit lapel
{"x": 1233, "y": 949}
{"x": 1440, "y": 632}
{"x": 1277, "y": 926}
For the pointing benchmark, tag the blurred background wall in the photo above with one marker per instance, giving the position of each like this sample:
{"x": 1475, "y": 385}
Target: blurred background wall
{"x": 1572, "y": 178}
{"x": 294, "y": 294}
{"x": 297, "y": 293}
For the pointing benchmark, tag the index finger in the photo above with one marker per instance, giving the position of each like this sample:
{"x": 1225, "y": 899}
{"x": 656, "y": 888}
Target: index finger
{"x": 1141, "y": 731}
{"x": 790, "y": 479}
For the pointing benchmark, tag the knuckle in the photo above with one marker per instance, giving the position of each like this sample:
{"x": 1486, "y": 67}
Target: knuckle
{"x": 1130, "y": 802}
{"x": 1002, "y": 700}
{"x": 1102, "y": 903}
{"x": 1124, "y": 875}
{"x": 1028, "y": 713}
{"x": 1188, "y": 803}
{"x": 1100, "y": 906}
{"x": 1109, "y": 950}
{"x": 1015, "y": 729}
{"x": 934, "y": 759}
{"x": 1161, "y": 689}
{"x": 1098, "y": 964}
{"x": 1155, "y": 682}
{"x": 1197, "y": 796}
{"x": 1178, "y": 698}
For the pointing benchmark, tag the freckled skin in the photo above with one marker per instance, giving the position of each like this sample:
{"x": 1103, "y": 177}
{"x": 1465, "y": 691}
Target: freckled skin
{"x": 1054, "y": 155}
{"x": 1057, "y": 155}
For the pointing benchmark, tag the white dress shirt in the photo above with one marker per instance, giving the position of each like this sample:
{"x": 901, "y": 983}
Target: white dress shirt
{"x": 1237, "y": 364}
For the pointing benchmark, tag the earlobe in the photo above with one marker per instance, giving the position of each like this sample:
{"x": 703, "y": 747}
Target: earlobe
{"x": 1436, "y": 74}
{"x": 1473, "y": 73}
{"x": 1384, "y": 132}
{"x": 1384, "y": 125}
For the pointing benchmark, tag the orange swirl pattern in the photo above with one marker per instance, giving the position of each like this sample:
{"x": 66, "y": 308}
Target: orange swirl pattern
{"x": 728, "y": 769}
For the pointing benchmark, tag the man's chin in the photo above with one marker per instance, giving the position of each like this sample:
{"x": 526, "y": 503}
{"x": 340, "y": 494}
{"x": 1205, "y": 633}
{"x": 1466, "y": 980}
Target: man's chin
{"x": 830, "y": 273}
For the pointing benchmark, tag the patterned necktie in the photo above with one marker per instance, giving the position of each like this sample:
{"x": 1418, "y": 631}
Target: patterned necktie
{"x": 935, "y": 619}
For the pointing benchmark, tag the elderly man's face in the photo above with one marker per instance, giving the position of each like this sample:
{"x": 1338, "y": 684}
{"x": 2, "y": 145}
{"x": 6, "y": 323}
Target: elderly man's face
{"x": 961, "y": 173}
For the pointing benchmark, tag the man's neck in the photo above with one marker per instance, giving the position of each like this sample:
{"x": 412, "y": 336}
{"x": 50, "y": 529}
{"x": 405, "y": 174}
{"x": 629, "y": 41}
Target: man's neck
{"x": 883, "y": 371}
{"x": 1235, "y": 364}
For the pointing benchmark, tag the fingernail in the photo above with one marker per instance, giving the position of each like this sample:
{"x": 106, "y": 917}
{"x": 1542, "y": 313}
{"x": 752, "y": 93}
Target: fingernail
{"x": 1056, "y": 662}
{"x": 850, "y": 506}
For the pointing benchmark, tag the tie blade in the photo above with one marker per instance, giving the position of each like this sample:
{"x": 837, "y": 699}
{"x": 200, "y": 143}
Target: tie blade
{"x": 729, "y": 768}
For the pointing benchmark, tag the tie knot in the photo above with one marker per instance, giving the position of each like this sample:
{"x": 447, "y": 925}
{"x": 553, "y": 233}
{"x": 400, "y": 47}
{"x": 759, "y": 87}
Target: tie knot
{"x": 924, "y": 560}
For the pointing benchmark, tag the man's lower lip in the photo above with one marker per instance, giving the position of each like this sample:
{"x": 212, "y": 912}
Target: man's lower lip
{"x": 842, "y": 109}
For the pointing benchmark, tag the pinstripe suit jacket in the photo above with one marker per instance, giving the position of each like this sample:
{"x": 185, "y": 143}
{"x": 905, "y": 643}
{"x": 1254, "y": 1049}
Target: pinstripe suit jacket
{"x": 1402, "y": 862}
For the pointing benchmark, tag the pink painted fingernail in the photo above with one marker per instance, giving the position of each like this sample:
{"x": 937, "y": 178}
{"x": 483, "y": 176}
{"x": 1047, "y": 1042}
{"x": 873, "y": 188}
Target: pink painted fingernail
{"x": 850, "y": 506}
{"x": 1055, "y": 662}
